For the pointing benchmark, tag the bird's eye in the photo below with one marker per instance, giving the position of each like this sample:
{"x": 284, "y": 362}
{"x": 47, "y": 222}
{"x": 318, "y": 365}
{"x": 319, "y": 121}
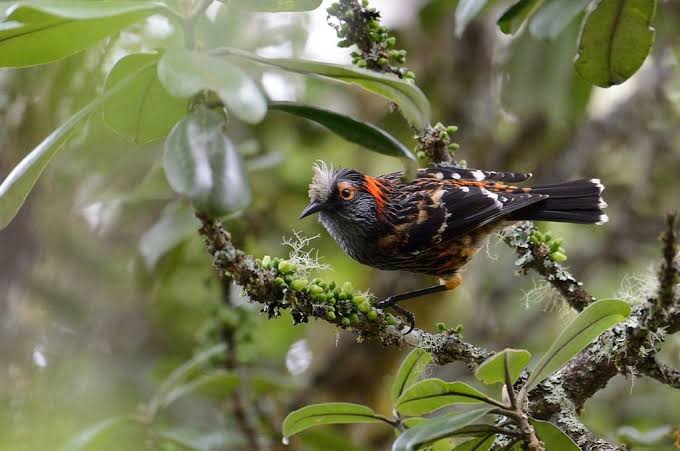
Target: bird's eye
{"x": 346, "y": 194}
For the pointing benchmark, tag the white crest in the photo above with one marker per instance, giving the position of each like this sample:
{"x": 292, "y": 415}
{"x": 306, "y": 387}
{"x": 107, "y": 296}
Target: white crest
{"x": 322, "y": 182}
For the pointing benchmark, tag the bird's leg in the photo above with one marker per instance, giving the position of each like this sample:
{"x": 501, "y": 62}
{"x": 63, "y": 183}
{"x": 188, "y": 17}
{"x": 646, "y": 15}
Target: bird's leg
{"x": 448, "y": 283}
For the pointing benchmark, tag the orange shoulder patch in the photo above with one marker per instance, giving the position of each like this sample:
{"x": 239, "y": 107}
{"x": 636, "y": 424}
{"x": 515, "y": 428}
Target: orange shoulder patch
{"x": 377, "y": 190}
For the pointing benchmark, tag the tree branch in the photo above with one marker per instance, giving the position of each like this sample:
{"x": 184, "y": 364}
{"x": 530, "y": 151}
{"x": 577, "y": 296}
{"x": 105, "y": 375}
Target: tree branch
{"x": 537, "y": 257}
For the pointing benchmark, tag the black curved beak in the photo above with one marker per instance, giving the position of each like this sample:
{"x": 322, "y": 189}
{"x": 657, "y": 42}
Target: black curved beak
{"x": 312, "y": 208}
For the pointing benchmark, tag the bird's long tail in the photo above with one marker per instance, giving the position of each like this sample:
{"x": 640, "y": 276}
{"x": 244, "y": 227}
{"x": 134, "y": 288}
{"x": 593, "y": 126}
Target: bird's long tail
{"x": 579, "y": 201}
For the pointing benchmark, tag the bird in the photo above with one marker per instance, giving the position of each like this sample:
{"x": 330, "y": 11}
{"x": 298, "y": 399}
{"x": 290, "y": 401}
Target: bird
{"x": 435, "y": 223}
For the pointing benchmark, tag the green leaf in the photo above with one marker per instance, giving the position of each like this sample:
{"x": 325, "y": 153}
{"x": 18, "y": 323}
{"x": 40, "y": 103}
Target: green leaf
{"x": 202, "y": 164}
{"x": 616, "y": 37}
{"x": 85, "y": 437}
{"x": 274, "y": 6}
{"x": 431, "y": 394}
{"x": 586, "y": 327}
{"x": 553, "y": 437}
{"x": 477, "y": 444}
{"x": 143, "y": 111}
{"x": 219, "y": 384}
{"x": 361, "y": 133}
{"x": 492, "y": 370}
{"x": 41, "y": 32}
{"x": 198, "y": 440}
{"x": 515, "y": 16}
{"x": 185, "y": 73}
{"x": 466, "y": 11}
{"x": 410, "y": 99}
{"x": 19, "y": 182}
{"x": 327, "y": 413}
{"x": 438, "y": 428}
{"x": 410, "y": 370}
{"x": 175, "y": 226}
{"x": 555, "y": 16}
{"x": 181, "y": 373}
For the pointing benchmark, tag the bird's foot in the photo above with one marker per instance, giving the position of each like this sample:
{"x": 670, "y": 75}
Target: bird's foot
{"x": 392, "y": 302}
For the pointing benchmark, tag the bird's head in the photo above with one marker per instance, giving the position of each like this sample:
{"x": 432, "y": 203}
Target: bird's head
{"x": 344, "y": 196}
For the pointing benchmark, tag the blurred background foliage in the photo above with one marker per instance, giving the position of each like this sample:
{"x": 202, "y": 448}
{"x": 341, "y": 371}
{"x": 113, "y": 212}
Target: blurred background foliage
{"x": 92, "y": 322}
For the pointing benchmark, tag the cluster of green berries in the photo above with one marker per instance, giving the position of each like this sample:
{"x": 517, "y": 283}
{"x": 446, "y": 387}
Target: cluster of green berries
{"x": 439, "y": 135}
{"x": 342, "y": 304}
{"x": 554, "y": 245}
{"x": 359, "y": 25}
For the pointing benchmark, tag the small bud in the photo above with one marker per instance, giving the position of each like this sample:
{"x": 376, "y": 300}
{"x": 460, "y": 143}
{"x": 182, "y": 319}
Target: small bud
{"x": 342, "y": 296}
{"x": 354, "y": 318}
{"x": 441, "y": 327}
{"x": 390, "y": 319}
{"x": 410, "y": 75}
{"x": 315, "y": 290}
{"x": 451, "y": 129}
{"x": 558, "y": 257}
{"x": 372, "y": 315}
{"x": 298, "y": 284}
{"x": 391, "y": 41}
{"x": 365, "y": 307}
{"x": 288, "y": 278}
{"x": 331, "y": 285}
{"x": 454, "y": 146}
{"x": 279, "y": 282}
{"x": 421, "y": 155}
{"x": 344, "y": 43}
{"x": 382, "y": 61}
{"x": 266, "y": 262}
{"x": 347, "y": 287}
{"x": 346, "y": 321}
{"x": 286, "y": 267}
{"x": 362, "y": 63}
{"x": 349, "y": 14}
{"x": 358, "y": 300}
{"x": 330, "y": 315}
{"x": 364, "y": 3}
{"x": 275, "y": 262}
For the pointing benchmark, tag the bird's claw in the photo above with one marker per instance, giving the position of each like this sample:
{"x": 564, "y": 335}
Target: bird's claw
{"x": 391, "y": 302}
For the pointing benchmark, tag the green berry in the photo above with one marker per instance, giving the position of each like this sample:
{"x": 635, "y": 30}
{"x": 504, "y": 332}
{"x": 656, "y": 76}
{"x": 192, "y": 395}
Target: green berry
{"x": 410, "y": 75}
{"x": 390, "y": 319}
{"x": 286, "y": 267}
{"x": 342, "y": 296}
{"x": 372, "y": 315}
{"x": 354, "y": 318}
{"x": 451, "y": 129}
{"x": 344, "y": 43}
{"x": 558, "y": 257}
{"x": 365, "y": 307}
{"x": 391, "y": 41}
{"x": 441, "y": 327}
{"x": 358, "y": 300}
{"x": 288, "y": 278}
{"x": 382, "y": 61}
{"x": 315, "y": 289}
{"x": 266, "y": 262}
{"x": 421, "y": 155}
{"x": 298, "y": 284}
{"x": 346, "y": 321}
{"x": 275, "y": 262}
{"x": 330, "y": 315}
{"x": 331, "y": 301}
{"x": 454, "y": 146}
{"x": 279, "y": 282}
{"x": 347, "y": 287}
